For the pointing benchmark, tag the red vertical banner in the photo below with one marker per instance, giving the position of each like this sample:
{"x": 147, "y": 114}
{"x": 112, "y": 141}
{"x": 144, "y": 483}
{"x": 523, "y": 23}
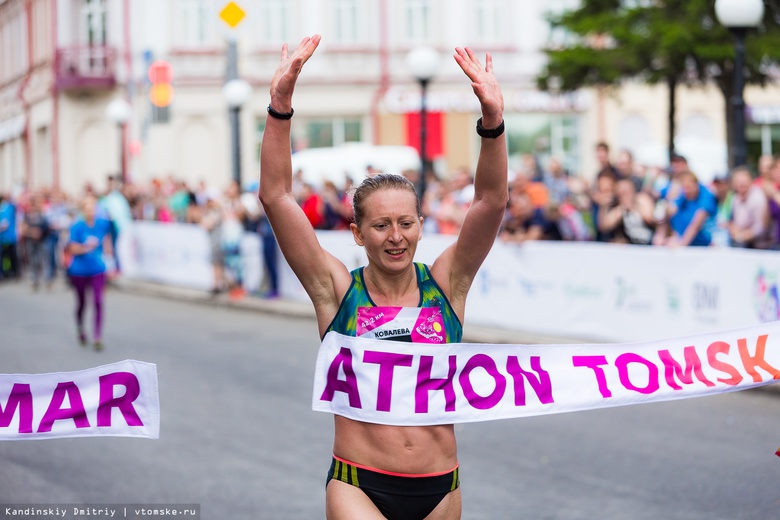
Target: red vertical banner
{"x": 434, "y": 138}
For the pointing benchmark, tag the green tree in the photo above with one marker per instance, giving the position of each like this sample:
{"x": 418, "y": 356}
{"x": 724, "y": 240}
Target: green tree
{"x": 658, "y": 41}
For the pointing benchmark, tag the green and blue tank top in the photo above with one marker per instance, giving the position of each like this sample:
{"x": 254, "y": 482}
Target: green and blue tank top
{"x": 432, "y": 321}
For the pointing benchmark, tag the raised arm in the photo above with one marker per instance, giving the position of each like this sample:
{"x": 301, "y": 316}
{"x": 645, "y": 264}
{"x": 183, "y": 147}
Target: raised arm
{"x": 314, "y": 267}
{"x": 458, "y": 265}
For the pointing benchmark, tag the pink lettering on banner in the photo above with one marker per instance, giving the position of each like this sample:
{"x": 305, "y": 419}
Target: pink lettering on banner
{"x": 721, "y": 347}
{"x": 55, "y": 412}
{"x": 457, "y": 383}
{"x": 692, "y": 366}
{"x": 540, "y": 381}
{"x": 757, "y": 360}
{"x": 622, "y": 363}
{"x": 85, "y": 403}
{"x": 477, "y": 401}
{"x": 124, "y": 402}
{"x": 595, "y": 363}
{"x": 21, "y": 399}
{"x": 348, "y": 385}
{"x": 387, "y": 362}
{"x": 426, "y": 384}
{"x": 674, "y": 371}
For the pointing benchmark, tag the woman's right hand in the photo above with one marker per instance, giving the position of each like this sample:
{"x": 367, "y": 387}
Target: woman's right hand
{"x": 283, "y": 82}
{"x": 91, "y": 243}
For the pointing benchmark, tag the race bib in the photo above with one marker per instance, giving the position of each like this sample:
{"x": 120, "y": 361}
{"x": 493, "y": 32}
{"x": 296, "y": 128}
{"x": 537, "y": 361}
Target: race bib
{"x": 410, "y": 324}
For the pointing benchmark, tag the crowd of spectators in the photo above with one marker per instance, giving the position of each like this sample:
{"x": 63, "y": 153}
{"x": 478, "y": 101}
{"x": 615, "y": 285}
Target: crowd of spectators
{"x": 623, "y": 203}
{"x": 34, "y": 226}
{"x": 626, "y": 203}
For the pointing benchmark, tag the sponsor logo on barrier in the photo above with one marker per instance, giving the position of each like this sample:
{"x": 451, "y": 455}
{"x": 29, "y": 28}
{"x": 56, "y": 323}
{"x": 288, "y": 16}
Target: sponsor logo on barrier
{"x": 673, "y": 299}
{"x": 533, "y": 287}
{"x": 583, "y": 291}
{"x": 529, "y": 287}
{"x": 487, "y": 282}
{"x": 706, "y": 303}
{"x": 629, "y": 299}
{"x": 765, "y": 296}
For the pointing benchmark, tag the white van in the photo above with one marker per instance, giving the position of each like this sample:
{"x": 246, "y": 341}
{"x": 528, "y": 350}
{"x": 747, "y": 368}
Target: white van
{"x": 352, "y": 159}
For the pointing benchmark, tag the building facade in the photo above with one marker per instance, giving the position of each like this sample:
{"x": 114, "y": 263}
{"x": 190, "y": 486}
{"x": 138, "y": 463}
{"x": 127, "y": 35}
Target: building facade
{"x": 63, "y": 61}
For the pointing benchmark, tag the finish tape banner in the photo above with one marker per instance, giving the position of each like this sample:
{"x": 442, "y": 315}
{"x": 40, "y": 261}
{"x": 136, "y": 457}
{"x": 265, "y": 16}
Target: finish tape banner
{"x": 406, "y": 384}
{"x": 116, "y": 400}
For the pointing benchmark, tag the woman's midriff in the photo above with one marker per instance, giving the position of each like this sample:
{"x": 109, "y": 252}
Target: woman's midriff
{"x": 398, "y": 449}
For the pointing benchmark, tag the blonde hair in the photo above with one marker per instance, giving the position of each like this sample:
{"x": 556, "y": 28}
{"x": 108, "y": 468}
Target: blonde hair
{"x": 383, "y": 181}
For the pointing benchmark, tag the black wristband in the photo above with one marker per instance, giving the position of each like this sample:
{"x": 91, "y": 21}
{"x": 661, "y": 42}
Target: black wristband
{"x": 489, "y": 133}
{"x": 280, "y": 115}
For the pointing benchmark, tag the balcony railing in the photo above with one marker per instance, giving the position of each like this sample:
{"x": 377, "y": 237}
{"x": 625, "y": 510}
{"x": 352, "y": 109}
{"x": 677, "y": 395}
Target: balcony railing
{"x": 86, "y": 67}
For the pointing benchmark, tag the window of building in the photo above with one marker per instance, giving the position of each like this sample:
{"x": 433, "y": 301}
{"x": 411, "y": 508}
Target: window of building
{"x": 762, "y": 139}
{"x": 192, "y": 22}
{"x": 274, "y": 17}
{"x": 5, "y": 52}
{"x": 487, "y": 21}
{"x": 346, "y": 21}
{"x": 13, "y": 62}
{"x": 634, "y": 4}
{"x": 417, "y": 18}
{"x": 763, "y": 131}
{"x": 544, "y": 136}
{"x": 319, "y": 133}
{"x": 42, "y": 160}
{"x": 633, "y": 133}
{"x": 697, "y": 125}
{"x": 42, "y": 31}
{"x": 94, "y": 16}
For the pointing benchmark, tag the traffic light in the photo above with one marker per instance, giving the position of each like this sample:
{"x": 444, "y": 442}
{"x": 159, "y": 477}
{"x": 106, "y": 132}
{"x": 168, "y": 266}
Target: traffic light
{"x": 161, "y": 91}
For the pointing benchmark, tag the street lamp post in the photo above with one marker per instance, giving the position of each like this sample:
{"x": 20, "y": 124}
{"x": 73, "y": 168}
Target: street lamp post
{"x": 423, "y": 62}
{"x": 118, "y": 112}
{"x": 236, "y": 92}
{"x": 739, "y": 16}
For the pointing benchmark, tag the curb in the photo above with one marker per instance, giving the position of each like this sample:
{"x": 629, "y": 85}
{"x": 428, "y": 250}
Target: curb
{"x": 250, "y": 303}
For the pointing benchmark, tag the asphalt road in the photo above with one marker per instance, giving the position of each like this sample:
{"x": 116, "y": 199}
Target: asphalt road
{"x": 238, "y": 436}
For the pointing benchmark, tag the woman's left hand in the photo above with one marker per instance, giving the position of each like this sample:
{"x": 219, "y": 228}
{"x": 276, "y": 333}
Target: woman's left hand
{"x": 485, "y": 85}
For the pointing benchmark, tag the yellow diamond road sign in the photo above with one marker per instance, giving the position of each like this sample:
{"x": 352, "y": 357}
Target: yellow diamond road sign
{"x": 232, "y": 14}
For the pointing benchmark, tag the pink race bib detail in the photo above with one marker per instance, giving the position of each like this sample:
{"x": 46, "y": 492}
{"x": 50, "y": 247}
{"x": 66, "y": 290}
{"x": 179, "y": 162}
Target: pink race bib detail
{"x": 410, "y": 324}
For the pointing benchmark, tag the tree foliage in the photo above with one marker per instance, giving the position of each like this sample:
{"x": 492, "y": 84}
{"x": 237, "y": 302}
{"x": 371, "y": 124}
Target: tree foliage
{"x": 657, "y": 41}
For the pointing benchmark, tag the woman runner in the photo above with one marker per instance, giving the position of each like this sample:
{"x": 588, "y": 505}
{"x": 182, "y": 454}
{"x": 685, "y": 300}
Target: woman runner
{"x": 90, "y": 239}
{"x": 380, "y": 471}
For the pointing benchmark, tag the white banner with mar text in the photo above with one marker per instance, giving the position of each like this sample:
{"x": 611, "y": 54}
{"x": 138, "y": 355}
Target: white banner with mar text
{"x": 405, "y": 384}
{"x": 120, "y": 399}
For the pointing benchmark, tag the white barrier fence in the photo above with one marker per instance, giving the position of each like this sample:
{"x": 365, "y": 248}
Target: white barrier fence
{"x": 179, "y": 255}
{"x": 602, "y": 292}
